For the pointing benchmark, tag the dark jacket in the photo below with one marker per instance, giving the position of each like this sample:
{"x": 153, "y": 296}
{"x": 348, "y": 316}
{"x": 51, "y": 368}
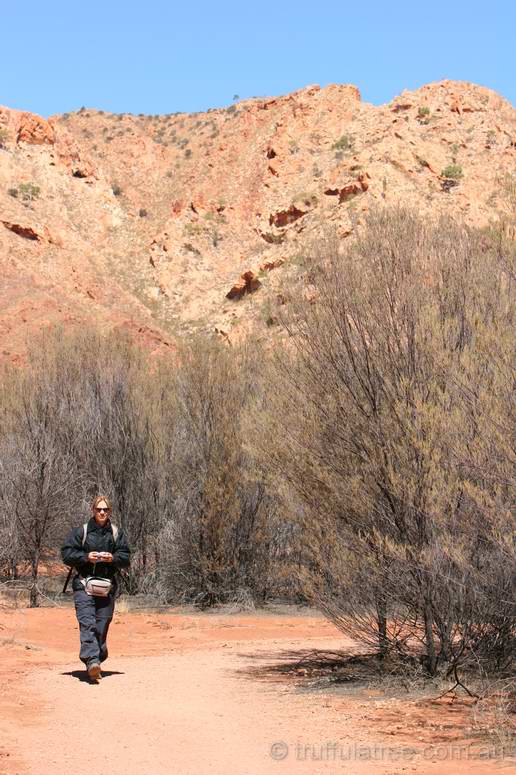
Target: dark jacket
{"x": 98, "y": 539}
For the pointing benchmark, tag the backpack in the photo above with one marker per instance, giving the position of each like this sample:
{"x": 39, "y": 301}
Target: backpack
{"x": 85, "y": 532}
{"x": 114, "y": 528}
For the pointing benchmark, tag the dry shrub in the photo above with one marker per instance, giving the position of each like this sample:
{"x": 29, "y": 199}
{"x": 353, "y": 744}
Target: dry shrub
{"x": 391, "y": 438}
{"x": 92, "y": 413}
{"x": 216, "y": 539}
{"x": 494, "y": 715}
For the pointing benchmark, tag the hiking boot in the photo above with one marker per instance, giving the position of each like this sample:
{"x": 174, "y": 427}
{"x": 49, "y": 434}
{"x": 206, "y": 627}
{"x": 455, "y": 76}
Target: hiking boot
{"x": 94, "y": 671}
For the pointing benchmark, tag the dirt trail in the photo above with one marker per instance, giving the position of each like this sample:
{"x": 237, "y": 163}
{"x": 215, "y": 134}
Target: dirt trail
{"x": 192, "y": 710}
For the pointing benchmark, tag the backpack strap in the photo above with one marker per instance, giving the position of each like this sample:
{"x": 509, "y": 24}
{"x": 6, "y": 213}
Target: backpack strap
{"x": 85, "y": 532}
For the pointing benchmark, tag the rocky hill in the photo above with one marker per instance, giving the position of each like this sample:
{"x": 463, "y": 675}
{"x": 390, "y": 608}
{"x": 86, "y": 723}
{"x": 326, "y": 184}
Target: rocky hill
{"x": 174, "y": 223}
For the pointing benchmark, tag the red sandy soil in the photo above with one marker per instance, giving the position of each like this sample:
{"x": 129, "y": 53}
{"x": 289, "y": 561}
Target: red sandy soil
{"x": 180, "y": 694}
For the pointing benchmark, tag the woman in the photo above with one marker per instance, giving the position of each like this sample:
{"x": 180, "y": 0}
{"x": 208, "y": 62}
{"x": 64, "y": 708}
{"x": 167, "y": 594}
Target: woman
{"x": 99, "y": 550}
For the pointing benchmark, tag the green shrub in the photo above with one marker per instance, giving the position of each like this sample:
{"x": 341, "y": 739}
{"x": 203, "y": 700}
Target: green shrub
{"x": 452, "y": 172}
{"x": 344, "y": 143}
{"x": 28, "y": 191}
{"x": 423, "y": 111}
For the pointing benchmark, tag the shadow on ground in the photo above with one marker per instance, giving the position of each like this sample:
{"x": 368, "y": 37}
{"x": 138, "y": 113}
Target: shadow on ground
{"x": 309, "y": 669}
{"x": 323, "y": 665}
{"x": 82, "y": 675}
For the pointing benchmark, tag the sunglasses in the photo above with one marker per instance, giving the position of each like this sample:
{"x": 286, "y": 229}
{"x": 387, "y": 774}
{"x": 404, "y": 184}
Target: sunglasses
{"x": 97, "y": 509}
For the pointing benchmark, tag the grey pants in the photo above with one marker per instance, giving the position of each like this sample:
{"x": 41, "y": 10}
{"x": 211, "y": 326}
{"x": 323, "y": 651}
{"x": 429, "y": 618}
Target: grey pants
{"x": 94, "y": 615}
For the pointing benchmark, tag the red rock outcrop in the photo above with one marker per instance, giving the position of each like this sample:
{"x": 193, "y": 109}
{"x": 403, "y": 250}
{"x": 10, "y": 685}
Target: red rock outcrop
{"x": 267, "y": 266}
{"x": 348, "y": 191}
{"x": 34, "y": 130}
{"x": 284, "y": 217}
{"x": 248, "y": 283}
{"x": 34, "y": 233}
{"x": 156, "y": 215}
{"x": 27, "y": 232}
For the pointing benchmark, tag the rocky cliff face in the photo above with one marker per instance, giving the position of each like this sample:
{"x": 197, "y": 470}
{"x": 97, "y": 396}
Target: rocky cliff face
{"x": 174, "y": 223}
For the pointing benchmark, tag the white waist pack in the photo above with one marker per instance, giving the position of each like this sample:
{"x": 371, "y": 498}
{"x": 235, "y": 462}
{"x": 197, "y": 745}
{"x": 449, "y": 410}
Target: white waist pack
{"x": 95, "y": 585}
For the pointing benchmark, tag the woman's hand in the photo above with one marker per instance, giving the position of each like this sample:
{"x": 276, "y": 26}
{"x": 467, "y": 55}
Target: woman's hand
{"x": 100, "y": 557}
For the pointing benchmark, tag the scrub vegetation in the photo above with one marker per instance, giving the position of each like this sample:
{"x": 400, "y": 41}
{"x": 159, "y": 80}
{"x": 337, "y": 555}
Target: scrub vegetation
{"x": 365, "y": 465}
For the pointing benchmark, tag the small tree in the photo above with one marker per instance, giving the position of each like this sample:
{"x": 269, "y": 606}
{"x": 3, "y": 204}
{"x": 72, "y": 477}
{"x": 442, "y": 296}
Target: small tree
{"x": 392, "y": 431}
{"x": 38, "y": 475}
{"x": 214, "y": 541}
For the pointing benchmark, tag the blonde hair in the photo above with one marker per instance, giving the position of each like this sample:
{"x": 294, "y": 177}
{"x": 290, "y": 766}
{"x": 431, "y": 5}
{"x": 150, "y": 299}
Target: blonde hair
{"x": 98, "y": 499}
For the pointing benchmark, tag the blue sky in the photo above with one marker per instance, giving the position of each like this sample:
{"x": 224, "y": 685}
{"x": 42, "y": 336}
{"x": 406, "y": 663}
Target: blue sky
{"x": 154, "y": 56}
